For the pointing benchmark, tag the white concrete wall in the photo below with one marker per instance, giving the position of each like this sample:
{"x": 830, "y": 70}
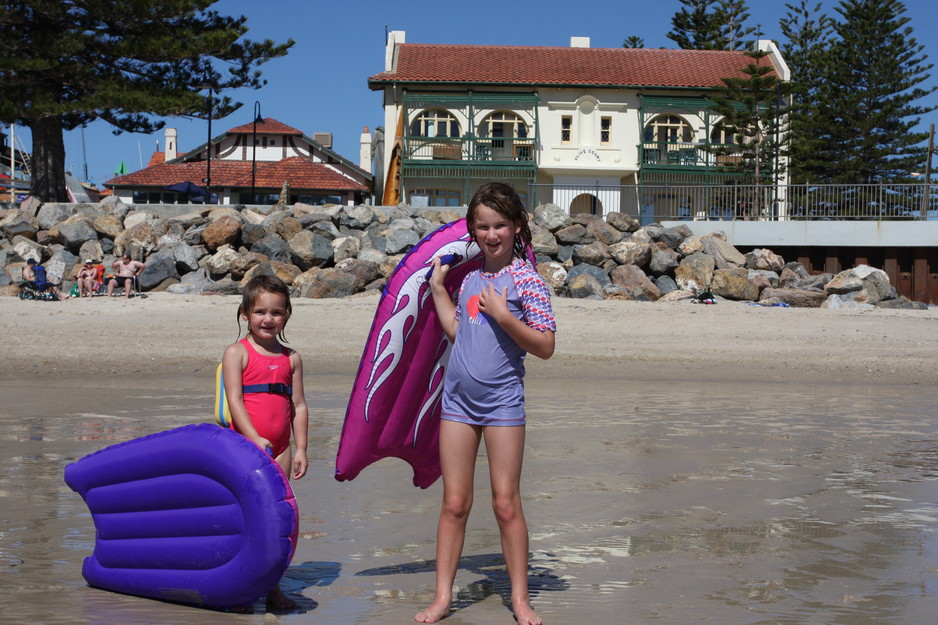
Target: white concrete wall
{"x": 820, "y": 233}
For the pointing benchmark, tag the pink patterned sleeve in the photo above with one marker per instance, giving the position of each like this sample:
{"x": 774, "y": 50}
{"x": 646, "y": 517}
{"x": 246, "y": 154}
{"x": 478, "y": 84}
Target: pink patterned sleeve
{"x": 535, "y": 298}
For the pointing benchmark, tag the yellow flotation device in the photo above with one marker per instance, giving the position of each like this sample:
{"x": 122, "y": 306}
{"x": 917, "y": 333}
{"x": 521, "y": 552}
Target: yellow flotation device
{"x": 222, "y": 413}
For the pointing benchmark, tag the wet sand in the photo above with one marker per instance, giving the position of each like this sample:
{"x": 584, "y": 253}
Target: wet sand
{"x": 684, "y": 464}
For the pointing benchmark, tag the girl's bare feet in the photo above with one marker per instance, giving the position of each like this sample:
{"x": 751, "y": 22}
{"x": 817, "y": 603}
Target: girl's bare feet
{"x": 525, "y": 615}
{"x": 279, "y": 602}
{"x": 437, "y": 611}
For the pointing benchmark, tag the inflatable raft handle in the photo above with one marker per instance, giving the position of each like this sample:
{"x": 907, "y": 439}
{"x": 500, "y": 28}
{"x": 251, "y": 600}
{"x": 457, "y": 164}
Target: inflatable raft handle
{"x": 445, "y": 259}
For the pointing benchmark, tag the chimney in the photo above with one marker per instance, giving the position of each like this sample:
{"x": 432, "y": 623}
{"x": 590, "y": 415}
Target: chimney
{"x": 579, "y": 42}
{"x": 170, "y": 144}
{"x": 323, "y": 138}
{"x": 364, "y": 156}
{"x": 390, "y": 50}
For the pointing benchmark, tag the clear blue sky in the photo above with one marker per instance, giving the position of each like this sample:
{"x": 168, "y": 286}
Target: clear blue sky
{"x": 321, "y": 85}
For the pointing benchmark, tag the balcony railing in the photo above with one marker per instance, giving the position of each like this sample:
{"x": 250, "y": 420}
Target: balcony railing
{"x": 473, "y": 149}
{"x": 669, "y": 153}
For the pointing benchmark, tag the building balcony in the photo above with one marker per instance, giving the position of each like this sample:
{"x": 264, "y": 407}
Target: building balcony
{"x": 469, "y": 151}
{"x": 669, "y": 154}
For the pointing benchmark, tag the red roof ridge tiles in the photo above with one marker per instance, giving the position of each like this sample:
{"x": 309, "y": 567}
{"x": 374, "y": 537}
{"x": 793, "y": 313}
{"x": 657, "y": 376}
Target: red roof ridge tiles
{"x": 562, "y": 66}
{"x": 269, "y": 126}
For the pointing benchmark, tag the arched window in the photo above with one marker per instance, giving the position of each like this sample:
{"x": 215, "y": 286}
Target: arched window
{"x": 435, "y": 123}
{"x": 504, "y": 136}
{"x": 503, "y": 125}
{"x": 668, "y": 129}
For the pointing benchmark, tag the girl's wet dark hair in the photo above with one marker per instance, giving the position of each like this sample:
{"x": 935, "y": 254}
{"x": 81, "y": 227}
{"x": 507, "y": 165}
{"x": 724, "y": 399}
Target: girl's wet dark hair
{"x": 504, "y": 200}
{"x": 256, "y": 286}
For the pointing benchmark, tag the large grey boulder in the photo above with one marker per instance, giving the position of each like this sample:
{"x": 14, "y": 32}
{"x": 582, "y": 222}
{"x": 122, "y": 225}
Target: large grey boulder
{"x": 73, "y": 234}
{"x": 274, "y": 248}
{"x": 399, "y": 240}
{"x": 309, "y": 249}
{"x": 551, "y": 217}
{"x": 585, "y": 286}
{"x": 874, "y": 282}
{"x": 793, "y": 297}
{"x": 598, "y": 274}
{"x": 734, "y": 284}
{"x": 695, "y": 273}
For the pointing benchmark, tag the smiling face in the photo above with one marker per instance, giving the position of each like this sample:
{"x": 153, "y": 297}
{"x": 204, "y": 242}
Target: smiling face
{"x": 495, "y": 234}
{"x": 268, "y": 317}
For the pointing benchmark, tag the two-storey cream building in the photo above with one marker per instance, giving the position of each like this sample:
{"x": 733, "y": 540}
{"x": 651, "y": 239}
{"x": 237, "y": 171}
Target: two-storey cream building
{"x": 580, "y": 126}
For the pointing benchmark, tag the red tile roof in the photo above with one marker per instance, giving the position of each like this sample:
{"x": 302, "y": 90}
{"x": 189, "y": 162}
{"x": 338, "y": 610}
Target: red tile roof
{"x": 544, "y": 66}
{"x": 297, "y": 171}
{"x": 158, "y": 157}
{"x": 269, "y": 126}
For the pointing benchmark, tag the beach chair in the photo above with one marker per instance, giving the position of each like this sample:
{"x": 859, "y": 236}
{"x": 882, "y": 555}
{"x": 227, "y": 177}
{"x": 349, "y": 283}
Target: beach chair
{"x": 120, "y": 286}
{"x": 31, "y": 291}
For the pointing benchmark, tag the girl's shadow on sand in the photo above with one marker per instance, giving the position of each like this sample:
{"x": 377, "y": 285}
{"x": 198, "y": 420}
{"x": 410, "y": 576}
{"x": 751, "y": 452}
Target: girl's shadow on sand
{"x": 494, "y": 582}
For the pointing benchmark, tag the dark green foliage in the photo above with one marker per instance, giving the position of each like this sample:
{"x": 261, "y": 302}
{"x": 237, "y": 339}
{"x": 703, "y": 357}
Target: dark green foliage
{"x": 64, "y": 63}
{"x": 750, "y": 107}
{"x": 711, "y": 25}
{"x": 864, "y": 110}
{"x": 633, "y": 41}
{"x": 733, "y": 15}
{"x": 808, "y": 32}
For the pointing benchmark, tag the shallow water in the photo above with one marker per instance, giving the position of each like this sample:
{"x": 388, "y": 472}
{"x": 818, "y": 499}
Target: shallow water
{"x": 680, "y": 504}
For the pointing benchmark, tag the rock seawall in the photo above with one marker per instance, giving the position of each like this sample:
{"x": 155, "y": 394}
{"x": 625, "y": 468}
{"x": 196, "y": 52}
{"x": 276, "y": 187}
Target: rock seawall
{"x": 336, "y": 251}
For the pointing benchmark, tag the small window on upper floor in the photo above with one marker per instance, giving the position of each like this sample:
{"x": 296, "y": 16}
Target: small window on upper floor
{"x": 566, "y": 128}
{"x": 605, "y": 130}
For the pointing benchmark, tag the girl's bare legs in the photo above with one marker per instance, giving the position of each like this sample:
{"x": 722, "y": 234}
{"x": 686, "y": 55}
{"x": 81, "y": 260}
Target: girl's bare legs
{"x": 276, "y": 600}
{"x": 459, "y": 443}
{"x": 505, "y": 449}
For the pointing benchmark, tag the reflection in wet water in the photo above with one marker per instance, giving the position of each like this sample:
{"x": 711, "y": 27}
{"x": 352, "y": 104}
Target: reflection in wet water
{"x": 702, "y": 504}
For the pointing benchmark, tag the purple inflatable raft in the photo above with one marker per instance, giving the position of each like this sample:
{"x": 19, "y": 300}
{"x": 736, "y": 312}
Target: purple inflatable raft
{"x": 394, "y": 408}
{"x": 195, "y": 515}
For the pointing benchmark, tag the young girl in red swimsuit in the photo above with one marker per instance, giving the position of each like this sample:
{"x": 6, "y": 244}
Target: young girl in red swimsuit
{"x": 264, "y": 386}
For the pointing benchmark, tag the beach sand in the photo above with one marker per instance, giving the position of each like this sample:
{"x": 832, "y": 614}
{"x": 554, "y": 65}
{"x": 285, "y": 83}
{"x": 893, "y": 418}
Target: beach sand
{"x": 167, "y": 334}
{"x": 684, "y": 464}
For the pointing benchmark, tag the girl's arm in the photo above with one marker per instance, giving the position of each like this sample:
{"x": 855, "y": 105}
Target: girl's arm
{"x": 495, "y": 305}
{"x": 233, "y": 363}
{"x": 300, "y": 419}
{"x": 445, "y": 309}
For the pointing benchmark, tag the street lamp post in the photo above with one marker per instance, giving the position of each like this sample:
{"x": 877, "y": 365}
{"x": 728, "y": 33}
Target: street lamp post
{"x": 208, "y": 146}
{"x": 257, "y": 118}
{"x": 778, "y": 108}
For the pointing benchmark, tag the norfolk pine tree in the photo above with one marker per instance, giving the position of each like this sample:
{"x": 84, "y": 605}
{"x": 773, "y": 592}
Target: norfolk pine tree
{"x": 65, "y": 63}
{"x": 696, "y": 26}
{"x": 710, "y": 25}
{"x": 749, "y": 107}
{"x": 808, "y": 32}
{"x": 872, "y": 77}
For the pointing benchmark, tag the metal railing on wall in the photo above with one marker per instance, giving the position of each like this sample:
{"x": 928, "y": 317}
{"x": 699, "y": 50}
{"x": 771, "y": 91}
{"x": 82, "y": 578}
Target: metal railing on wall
{"x": 802, "y": 202}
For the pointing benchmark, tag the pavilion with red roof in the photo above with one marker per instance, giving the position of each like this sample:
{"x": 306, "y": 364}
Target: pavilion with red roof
{"x": 250, "y": 164}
